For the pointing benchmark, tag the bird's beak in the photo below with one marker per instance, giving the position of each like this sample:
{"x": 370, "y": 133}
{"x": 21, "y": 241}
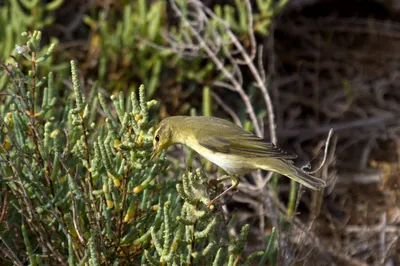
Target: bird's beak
{"x": 155, "y": 152}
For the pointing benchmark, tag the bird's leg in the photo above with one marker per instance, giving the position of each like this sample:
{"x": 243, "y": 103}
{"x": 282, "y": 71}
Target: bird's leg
{"x": 235, "y": 183}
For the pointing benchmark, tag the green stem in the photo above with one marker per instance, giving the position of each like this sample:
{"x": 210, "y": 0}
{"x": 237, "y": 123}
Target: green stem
{"x": 292, "y": 197}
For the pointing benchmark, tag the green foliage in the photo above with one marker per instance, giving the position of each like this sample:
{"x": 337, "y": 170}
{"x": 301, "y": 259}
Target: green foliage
{"x": 238, "y": 16}
{"x": 82, "y": 189}
{"x": 23, "y": 14}
{"x": 135, "y": 53}
{"x": 70, "y": 177}
{"x": 124, "y": 52}
{"x": 270, "y": 252}
{"x": 138, "y": 43}
{"x": 200, "y": 238}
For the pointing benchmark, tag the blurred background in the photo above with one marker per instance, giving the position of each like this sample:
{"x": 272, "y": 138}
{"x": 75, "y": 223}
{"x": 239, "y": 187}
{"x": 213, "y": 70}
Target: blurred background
{"x": 289, "y": 71}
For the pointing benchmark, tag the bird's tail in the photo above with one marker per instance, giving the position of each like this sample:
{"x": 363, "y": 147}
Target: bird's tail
{"x": 288, "y": 169}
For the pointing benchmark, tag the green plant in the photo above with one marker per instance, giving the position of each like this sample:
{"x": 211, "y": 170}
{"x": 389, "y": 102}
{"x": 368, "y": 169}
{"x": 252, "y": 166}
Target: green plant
{"x": 81, "y": 188}
{"x": 69, "y": 177}
{"x": 135, "y": 54}
{"x": 238, "y": 15}
{"x": 22, "y": 14}
{"x": 200, "y": 238}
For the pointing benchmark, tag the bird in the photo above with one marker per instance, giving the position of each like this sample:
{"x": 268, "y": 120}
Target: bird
{"x": 230, "y": 147}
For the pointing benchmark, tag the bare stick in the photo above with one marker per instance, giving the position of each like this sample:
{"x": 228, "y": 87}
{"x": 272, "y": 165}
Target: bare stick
{"x": 325, "y": 153}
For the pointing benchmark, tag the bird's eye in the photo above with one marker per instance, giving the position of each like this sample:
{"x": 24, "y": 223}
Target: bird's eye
{"x": 157, "y": 138}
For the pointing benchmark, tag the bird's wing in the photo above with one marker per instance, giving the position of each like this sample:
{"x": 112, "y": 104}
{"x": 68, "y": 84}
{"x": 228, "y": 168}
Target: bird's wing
{"x": 246, "y": 145}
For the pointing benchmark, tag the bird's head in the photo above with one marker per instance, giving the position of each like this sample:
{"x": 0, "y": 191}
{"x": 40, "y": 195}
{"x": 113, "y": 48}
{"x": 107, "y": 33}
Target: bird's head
{"x": 162, "y": 138}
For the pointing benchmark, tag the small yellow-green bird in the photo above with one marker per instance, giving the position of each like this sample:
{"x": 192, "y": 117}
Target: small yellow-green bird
{"x": 230, "y": 147}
